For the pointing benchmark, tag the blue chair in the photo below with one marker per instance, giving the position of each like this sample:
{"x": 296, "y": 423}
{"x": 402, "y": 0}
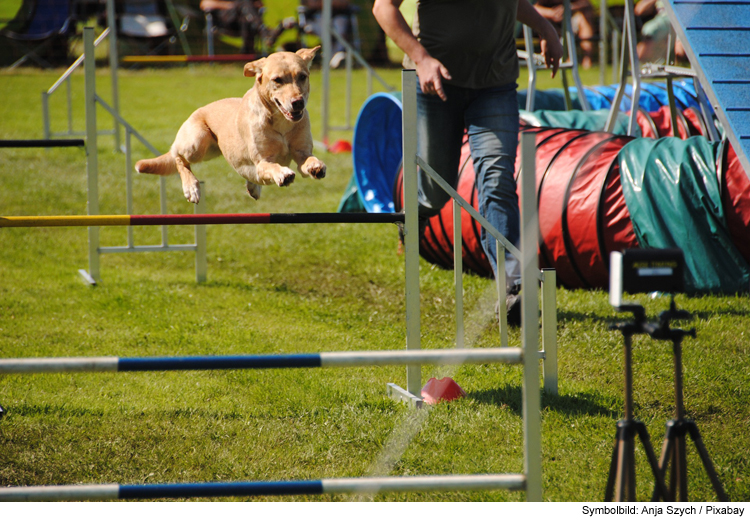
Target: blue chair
{"x": 44, "y": 27}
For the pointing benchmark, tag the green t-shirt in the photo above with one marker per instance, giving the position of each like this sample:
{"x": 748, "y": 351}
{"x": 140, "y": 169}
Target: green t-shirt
{"x": 474, "y": 39}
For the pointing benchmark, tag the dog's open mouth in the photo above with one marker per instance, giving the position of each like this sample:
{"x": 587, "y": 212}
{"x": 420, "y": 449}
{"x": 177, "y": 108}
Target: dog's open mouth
{"x": 291, "y": 116}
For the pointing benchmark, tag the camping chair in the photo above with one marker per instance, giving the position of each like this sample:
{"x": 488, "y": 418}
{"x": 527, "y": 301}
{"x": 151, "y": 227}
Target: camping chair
{"x": 44, "y": 29}
{"x": 145, "y": 24}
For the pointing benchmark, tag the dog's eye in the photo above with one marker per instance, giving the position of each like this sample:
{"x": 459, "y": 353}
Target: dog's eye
{"x": 278, "y": 80}
{"x": 301, "y": 78}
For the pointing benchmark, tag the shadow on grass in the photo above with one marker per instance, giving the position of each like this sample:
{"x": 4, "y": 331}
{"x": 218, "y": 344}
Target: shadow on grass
{"x": 579, "y": 404}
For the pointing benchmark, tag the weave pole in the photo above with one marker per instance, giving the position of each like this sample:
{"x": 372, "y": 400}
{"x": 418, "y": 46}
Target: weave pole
{"x": 373, "y": 485}
{"x": 233, "y": 362}
{"x": 199, "y": 219}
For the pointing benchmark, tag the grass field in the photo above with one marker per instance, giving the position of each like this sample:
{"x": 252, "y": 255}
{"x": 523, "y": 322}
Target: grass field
{"x": 287, "y": 289}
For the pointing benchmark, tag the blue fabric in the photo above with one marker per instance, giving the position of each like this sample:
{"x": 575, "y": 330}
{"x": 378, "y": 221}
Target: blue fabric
{"x": 490, "y": 118}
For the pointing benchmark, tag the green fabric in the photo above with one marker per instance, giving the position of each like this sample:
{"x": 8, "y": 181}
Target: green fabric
{"x": 592, "y": 120}
{"x": 672, "y": 193}
{"x": 351, "y": 202}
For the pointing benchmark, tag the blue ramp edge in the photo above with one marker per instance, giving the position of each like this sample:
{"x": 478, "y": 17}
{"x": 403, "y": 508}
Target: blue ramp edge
{"x": 716, "y": 37}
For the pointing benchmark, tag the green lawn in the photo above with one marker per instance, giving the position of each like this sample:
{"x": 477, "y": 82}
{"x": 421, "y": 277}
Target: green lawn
{"x": 287, "y": 289}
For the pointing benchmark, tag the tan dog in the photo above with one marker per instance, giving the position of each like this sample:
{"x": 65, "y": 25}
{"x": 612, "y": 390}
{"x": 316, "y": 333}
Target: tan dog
{"x": 258, "y": 134}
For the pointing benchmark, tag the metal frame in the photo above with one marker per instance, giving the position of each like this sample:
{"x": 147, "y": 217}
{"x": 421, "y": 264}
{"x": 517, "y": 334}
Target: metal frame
{"x": 411, "y": 244}
{"x": 65, "y": 78}
{"x": 530, "y": 278}
{"x": 535, "y": 62}
{"x": 326, "y": 42}
{"x": 93, "y": 275}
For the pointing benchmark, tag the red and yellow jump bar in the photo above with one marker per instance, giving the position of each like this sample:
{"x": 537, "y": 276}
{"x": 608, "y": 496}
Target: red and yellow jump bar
{"x": 159, "y": 59}
{"x": 199, "y": 219}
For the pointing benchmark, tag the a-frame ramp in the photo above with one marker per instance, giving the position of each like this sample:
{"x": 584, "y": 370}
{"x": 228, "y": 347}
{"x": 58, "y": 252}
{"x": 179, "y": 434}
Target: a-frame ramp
{"x": 716, "y": 38}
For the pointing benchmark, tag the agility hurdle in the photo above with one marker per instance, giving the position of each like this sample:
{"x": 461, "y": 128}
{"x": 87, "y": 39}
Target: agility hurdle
{"x": 93, "y": 275}
{"x": 331, "y": 486}
{"x": 235, "y": 362}
{"x": 65, "y": 78}
{"x": 513, "y": 482}
{"x": 199, "y": 219}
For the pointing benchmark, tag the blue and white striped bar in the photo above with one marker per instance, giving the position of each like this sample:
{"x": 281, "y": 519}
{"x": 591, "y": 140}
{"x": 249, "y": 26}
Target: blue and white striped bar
{"x": 372, "y": 485}
{"x": 232, "y": 362}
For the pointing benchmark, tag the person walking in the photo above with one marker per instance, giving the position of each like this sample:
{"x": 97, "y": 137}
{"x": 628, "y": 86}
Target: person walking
{"x": 464, "y": 53}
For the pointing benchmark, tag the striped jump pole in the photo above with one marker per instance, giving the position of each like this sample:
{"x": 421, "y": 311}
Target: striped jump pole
{"x": 199, "y": 219}
{"x": 233, "y": 362}
{"x": 333, "y": 486}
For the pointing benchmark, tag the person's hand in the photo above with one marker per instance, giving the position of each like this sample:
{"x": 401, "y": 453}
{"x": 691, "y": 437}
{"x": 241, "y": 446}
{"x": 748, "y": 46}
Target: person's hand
{"x": 555, "y": 14}
{"x": 431, "y": 73}
{"x": 551, "y": 50}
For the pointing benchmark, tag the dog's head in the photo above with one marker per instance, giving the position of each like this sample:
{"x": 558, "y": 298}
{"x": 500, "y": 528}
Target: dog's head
{"x": 283, "y": 79}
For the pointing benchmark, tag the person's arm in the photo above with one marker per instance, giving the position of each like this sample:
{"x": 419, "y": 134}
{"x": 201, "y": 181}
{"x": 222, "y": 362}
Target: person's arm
{"x": 549, "y": 41}
{"x": 430, "y": 71}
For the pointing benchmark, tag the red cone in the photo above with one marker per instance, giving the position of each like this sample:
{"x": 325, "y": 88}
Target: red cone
{"x": 445, "y": 389}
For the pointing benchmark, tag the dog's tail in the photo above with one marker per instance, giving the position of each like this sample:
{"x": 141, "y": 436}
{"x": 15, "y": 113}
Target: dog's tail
{"x": 161, "y": 165}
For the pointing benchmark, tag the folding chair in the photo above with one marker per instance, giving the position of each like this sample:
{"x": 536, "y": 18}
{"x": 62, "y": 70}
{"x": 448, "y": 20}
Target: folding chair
{"x": 44, "y": 27}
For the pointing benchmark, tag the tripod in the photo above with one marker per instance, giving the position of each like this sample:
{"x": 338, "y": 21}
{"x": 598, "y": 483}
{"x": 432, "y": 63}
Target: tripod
{"x": 621, "y": 479}
{"x": 674, "y": 450}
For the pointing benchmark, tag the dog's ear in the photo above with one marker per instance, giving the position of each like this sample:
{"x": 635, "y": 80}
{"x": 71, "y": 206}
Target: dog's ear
{"x": 308, "y": 54}
{"x": 255, "y": 68}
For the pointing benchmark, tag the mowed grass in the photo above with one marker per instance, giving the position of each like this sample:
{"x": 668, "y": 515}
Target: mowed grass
{"x": 290, "y": 289}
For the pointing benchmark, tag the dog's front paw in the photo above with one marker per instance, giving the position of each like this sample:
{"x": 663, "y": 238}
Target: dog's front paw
{"x": 192, "y": 192}
{"x": 284, "y": 177}
{"x": 314, "y": 167}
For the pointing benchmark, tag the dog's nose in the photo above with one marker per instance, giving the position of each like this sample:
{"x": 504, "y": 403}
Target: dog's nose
{"x": 298, "y": 105}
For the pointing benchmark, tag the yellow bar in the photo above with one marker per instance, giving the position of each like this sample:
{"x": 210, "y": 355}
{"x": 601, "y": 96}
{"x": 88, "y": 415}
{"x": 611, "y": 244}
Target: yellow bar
{"x": 154, "y": 59}
{"x": 65, "y": 220}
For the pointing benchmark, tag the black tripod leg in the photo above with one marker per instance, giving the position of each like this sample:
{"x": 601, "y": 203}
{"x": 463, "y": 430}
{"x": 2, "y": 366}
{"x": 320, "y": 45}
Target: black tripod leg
{"x": 622, "y": 470}
{"x": 666, "y": 452}
{"x": 695, "y": 435}
{"x": 610, "y": 489}
{"x": 660, "y": 486}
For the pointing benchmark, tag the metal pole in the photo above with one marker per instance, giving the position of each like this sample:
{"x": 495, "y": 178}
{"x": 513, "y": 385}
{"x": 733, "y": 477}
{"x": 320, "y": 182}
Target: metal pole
{"x": 549, "y": 329}
{"x": 501, "y": 281}
{"x": 325, "y": 40}
{"x": 92, "y": 167}
{"x": 201, "y": 260}
{"x": 411, "y": 225}
{"x": 530, "y": 321}
{"x": 458, "y": 274}
{"x": 113, "y": 66}
{"x": 45, "y": 115}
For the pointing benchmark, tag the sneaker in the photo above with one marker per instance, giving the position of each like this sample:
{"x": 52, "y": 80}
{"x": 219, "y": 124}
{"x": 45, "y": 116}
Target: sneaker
{"x": 513, "y": 305}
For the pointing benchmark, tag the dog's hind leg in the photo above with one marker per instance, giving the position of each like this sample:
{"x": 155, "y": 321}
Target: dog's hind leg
{"x": 190, "y": 185}
{"x": 254, "y": 190}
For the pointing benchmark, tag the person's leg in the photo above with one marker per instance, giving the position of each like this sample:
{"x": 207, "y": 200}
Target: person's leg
{"x": 440, "y": 130}
{"x": 492, "y": 123}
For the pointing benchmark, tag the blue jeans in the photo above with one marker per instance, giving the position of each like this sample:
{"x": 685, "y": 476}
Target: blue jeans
{"x": 490, "y": 118}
